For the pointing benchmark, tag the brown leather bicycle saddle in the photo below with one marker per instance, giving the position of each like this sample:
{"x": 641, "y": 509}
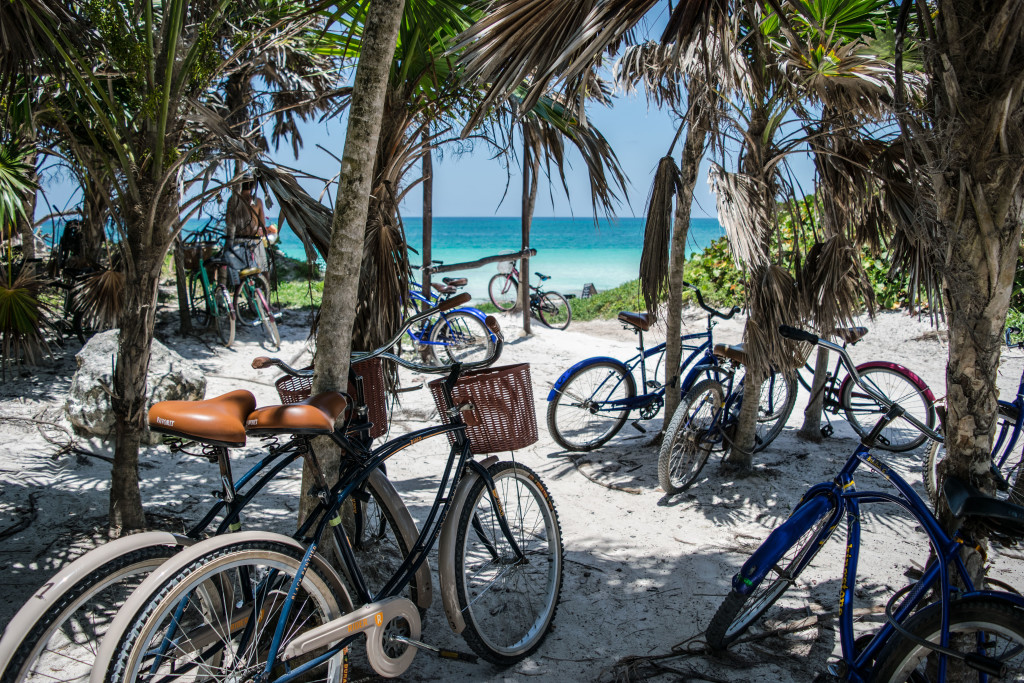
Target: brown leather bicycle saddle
{"x": 640, "y": 321}
{"x": 736, "y": 353}
{"x": 455, "y": 281}
{"x": 315, "y": 415}
{"x": 851, "y": 335}
{"x": 443, "y": 289}
{"x": 217, "y": 421}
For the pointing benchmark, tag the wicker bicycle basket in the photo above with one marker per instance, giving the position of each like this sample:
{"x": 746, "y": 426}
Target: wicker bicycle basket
{"x": 502, "y": 417}
{"x": 194, "y": 251}
{"x": 296, "y": 389}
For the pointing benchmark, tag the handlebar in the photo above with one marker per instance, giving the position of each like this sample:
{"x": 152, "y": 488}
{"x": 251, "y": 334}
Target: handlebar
{"x": 804, "y": 336}
{"x": 264, "y": 362}
{"x": 712, "y": 311}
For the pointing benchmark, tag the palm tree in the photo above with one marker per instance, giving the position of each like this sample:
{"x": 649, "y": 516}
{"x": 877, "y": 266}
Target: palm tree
{"x": 145, "y": 74}
{"x": 348, "y": 225}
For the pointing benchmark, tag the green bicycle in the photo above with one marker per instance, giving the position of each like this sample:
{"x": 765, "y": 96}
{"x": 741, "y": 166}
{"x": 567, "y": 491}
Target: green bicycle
{"x": 208, "y": 302}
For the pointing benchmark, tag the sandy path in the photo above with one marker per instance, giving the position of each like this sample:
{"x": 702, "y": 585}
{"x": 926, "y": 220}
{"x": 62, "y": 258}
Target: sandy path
{"x": 643, "y": 571}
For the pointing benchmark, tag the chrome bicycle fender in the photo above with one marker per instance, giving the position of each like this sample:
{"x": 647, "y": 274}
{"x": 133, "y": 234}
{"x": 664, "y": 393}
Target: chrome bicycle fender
{"x": 582, "y": 364}
{"x": 53, "y": 590}
{"x": 123, "y": 621}
{"x": 446, "y": 549}
{"x": 406, "y": 527}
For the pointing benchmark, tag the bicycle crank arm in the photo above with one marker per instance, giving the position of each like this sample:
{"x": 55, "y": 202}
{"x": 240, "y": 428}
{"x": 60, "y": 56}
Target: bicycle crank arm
{"x": 379, "y": 621}
{"x": 442, "y": 653}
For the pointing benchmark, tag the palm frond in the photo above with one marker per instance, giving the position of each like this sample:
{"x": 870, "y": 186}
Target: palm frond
{"x": 100, "y": 298}
{"x": 15, "y": 180}
{"x": 23, "y": 317}
{"x": 774, "y": 301}
{"x": 741, "y": 211}
{"x": 833, "y": 284}
{"x": 654, "y": 260}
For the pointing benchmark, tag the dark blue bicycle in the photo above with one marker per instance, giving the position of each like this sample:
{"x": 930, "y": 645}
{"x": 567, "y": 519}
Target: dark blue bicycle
{"x": 458, "y": 336}
{"x": 927, "y": 620}
{"x": 592, "y": 400}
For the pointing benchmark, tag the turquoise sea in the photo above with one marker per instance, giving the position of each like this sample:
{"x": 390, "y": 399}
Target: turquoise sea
{"x": 573, "y": 251}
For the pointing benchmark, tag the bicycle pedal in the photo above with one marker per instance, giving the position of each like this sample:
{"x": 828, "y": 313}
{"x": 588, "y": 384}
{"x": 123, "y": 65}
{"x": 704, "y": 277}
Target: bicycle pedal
{"x": 638, "y": 427}
{"x": 440, "y": 652}
{"x": 827, "y": 431}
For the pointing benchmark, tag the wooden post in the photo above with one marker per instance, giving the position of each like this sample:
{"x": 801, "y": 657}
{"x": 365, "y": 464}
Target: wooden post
{"x": 428, "y": 216}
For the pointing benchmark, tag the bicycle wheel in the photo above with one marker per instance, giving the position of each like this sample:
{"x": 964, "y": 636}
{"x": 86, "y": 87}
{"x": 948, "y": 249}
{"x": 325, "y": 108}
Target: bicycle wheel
{"x": 460, "y": 337}
{"x": 579, "y": 418}
{"x": 378, "y": 545}
{"x": 862, "y": 412}
{"x": 223, "y": 317}
{"x": 554, "y": 311}
{"x": 690, "y": 436}
{"x": 983, "y": 625}
{"x": 62, "y": 643}
{"x": 215, "y": 619}
{"x": 1010, "y": 468}
{"x": 778, "y": 396}
{"x": 197, "y": 302}
{"x": 503, "y": 291}
{"x": 246, "y": 305}
{"x": 267, "y": 320}
{"x": 508, "y": 605}
{"x": 738, "y": 611}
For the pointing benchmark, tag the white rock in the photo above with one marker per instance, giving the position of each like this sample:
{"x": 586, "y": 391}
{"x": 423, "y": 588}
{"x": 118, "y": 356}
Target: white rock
{"x": 171, "y": 378}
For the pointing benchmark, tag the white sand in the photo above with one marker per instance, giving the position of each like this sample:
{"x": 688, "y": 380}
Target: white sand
{"x": 643, "y": 571}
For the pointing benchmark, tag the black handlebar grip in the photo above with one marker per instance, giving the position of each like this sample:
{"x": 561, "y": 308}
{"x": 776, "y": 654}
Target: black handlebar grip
{"x": 492, "y": 325}
{"x": 447, "y": 304}
{"x": 797, "y": 334}
{"x": 262, "y": 362}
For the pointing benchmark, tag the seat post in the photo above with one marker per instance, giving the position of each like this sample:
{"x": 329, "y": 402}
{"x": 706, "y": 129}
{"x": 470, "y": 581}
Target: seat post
{"x": 227, "y": 480}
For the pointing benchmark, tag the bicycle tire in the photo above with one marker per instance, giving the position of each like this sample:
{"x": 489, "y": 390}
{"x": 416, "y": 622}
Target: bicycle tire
{"x": 900, "y": 435}
{"x": 566, "y": 421}
{"x": 267, "y": 320}
{"x": 224, "y": 317}
{"x": 686, "y": 445}
{"x": 554, "y": 311}
{"x": 197, "y": 304}
{"x": 1011, "y": 468}
{"x": 778, "y": 397}
{"x": 517, "y": 585}
{"x": 503, "y": 292}
{"x": 903, "y": 659}
{"x": 461, "y": 337}
{"x": 738, "y": 611}
{"x": 245, "y": 301}
{"x": 52, "y": 644}
{"x": 218, "y": 579}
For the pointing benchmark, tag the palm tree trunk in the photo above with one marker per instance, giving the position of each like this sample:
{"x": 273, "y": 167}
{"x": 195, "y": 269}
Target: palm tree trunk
{"x": 689, "y": 167}
{"x": 531, "y": 166}
{"x": 811, "y": 428}
{"x": 341, "y": 277}
{"x": 129, "y": 399}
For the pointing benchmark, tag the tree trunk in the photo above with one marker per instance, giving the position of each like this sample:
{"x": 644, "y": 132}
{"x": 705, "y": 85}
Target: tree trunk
{"x": 130, "y": 394}
{"x": 341, "y": 281}
{"x": 689, "y": 167}
{"x": 181, "y": 279}
{"x": 811, "y": 428}
{"x": 428, "y": 215}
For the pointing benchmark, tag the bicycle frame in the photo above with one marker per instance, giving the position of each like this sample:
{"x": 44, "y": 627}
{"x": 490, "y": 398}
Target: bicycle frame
{"x": 422, "y": 335}
{"x": 845, "y": 501}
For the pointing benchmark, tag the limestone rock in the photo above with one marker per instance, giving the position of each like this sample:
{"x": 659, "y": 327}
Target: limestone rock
{"x": 171, "y": 378}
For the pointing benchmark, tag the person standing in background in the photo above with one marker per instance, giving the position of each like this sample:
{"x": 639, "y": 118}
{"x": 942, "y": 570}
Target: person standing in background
{"x": 246, "y": 225}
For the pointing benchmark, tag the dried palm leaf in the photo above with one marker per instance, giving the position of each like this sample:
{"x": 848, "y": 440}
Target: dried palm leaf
{"x": 773, "y": 301}
{"x": 742, "y": 213}
{"x": 654, "y": 260}
{"x": 100, "y": 298}
{"x": 834, "y": 286}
